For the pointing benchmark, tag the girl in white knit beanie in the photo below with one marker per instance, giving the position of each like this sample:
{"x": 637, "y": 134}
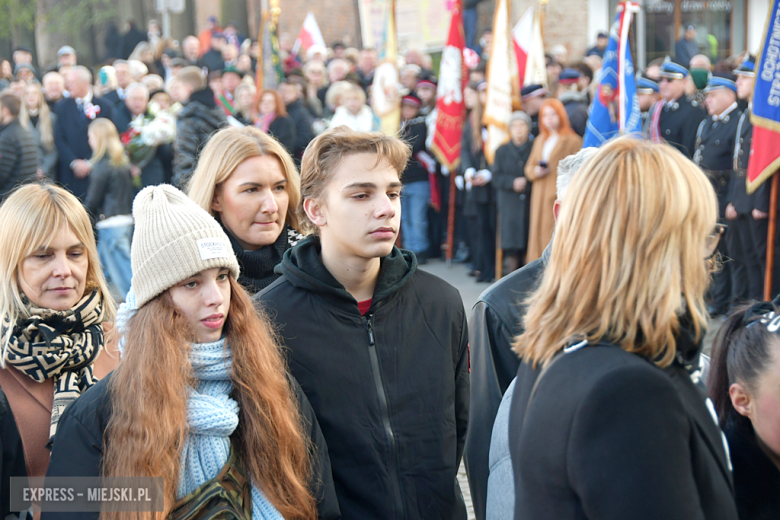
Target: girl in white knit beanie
{"x": 201, "y": 396}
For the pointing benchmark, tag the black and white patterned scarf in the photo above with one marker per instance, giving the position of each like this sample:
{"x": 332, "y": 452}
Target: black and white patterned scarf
{"x": 58, "y": 345}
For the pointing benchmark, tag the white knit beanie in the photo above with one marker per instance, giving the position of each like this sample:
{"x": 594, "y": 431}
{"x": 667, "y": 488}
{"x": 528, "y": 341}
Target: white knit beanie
{"x": 174, "y": 239}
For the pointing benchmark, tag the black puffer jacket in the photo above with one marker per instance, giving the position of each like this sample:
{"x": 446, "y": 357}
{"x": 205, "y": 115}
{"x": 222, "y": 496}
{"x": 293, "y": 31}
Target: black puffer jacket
{"x": 18, "y": 156}
{"x": 79, "y": 446}
{"x": 390, "y": 389}
{"x": 199, "y": 118}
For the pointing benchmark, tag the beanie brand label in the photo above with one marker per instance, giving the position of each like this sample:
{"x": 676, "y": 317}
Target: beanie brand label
{"x": 210, "y": 248}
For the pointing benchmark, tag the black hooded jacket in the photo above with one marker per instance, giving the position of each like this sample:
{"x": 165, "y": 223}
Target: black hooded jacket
{"x": 390, "y": 389}
{"x": 199, "y": 118}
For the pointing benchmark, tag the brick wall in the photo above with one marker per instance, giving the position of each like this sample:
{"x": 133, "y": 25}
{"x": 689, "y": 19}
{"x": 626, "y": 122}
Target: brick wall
{"x": 566, "y": 23}
{"x": 339, "y": 20}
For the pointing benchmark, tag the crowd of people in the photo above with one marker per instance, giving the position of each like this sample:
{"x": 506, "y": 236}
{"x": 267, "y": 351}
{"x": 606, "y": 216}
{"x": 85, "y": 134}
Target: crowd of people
{"x": 162, "y": 219}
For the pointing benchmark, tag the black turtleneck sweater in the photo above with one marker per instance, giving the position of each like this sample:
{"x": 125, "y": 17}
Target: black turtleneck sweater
{"x": 257, "y": 267}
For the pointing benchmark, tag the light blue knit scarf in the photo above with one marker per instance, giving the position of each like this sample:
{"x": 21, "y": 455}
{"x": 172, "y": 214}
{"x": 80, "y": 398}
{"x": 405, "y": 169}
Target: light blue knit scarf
{"x": 212, "y": 417}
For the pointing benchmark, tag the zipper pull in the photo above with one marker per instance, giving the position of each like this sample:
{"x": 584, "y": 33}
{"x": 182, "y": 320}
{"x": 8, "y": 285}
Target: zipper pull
{"x": 370, "y": 331}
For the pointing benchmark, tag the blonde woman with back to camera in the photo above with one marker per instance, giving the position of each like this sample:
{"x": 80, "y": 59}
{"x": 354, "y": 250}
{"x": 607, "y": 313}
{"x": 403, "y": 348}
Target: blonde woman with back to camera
{"x": 248, "y": 182}
{"x": 56, "y": 311}
{"x": 614, "y": 427}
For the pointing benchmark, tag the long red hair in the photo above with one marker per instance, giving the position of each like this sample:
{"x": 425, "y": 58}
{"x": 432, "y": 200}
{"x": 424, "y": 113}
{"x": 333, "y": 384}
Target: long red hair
{"x": 281, "y": 108}
{"x": 564, "y": 128}
{"x": 149, "y": 395}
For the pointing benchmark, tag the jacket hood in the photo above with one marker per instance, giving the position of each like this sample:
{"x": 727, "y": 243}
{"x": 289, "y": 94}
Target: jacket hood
{"x": 204, "y": 97}
{"x": 303, "y": 267}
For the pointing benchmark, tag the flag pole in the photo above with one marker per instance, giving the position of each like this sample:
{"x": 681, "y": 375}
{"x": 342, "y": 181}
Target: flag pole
{"x": 770, "y": 238}
{"x": 451, "y": 218}
{"x": 499, "y": 251}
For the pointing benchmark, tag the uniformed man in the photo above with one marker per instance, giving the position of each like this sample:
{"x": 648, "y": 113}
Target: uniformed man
{"x": 758, "y": 202}
{"x": 715, "y": 141}
{"x": 647, "y": 93}
{"x": 533, "y": 96}
{"x": 674, "y": 119}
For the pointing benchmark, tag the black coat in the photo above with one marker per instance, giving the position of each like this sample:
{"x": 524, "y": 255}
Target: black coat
{"x": 303, "y": 127}
{"x": 415, "y": 133}
{"x": 12, "y": 462}
{"x": 576, "y": 105}
{"x": 283, "y": 129}
{"x": 70, "y": 137}
{"x": 390, "y": 389}
{"x": 608, "y": 435}
{"x": 476, "y": 160}
{"x": 79, "y": 445}
{"x": 512, "y": 206}
{"x": 113, "y": 98}
{"x": 199, "y": 118}
{"x": 18, "y": 156}
{"x": 496, "y": 320}
{"x": 153, "y": 172}
{"x": 110, "y": 191}
{"x": 213, "y": 60}
{"x": 715, "y": 142}
{"x": 756, "y": 477}
{"x": 678, "y": 124}
{"x": 759, "y": 199}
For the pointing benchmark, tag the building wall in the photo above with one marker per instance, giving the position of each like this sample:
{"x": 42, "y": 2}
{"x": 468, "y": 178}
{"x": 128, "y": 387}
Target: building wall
{"x": 338, "y": 20}
{"x": 758, "y": 10}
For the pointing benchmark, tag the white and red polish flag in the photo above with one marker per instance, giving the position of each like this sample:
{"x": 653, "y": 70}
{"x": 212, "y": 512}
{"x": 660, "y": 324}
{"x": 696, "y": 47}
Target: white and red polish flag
{"x": 310, "y": 35}
{"x": 529, "y": 49}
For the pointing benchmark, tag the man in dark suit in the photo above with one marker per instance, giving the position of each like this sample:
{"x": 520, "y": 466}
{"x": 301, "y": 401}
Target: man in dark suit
{"x": 136, "y": 103}
{"x": 74, "y": 114}
{"x": 715, "y": 141}
{"x": 123, "y": 78}
{"x": 675, "y": 119}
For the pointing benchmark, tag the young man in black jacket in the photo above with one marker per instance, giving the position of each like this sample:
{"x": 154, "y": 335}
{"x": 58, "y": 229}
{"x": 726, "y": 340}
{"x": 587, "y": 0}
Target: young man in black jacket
{"x": 379, "y": 347}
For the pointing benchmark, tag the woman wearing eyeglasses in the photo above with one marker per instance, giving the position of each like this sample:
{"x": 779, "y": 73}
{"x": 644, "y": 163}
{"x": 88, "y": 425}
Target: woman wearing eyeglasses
{"x": 614, "y": 426}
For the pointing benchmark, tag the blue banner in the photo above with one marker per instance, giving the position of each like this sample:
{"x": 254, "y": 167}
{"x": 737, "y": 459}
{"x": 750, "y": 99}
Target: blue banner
{"x": 766, "y": 95}
{"x": 615, "y": 107}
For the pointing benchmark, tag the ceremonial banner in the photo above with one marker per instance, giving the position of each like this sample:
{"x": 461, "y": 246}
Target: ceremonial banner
{"x": 498, "y": 106}
{"x": 615, "y": 107}
{"x": 310, "y": 35}
{"x": 765, "y": 148}
{"x": 385, "y": 89}
{"x": 449, "y": 95}
{"x": 269, "y": 72}
{"x": 529, "y": 49}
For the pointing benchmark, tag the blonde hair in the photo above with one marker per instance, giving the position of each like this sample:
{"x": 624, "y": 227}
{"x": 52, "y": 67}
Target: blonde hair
{"x": 248, "y": 112}
{"x": 45, "y": 128}
{"x": 628, "y": 255}
{"x": 327, "y": 150}
{"x": 225, "y": 151}
{"x": 353, "y": 90}
{"x": 107, "y": 142}
{"x": 32, "y": 215}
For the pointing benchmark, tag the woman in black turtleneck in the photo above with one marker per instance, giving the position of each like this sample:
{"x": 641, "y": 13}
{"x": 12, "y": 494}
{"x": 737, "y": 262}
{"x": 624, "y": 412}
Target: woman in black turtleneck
{"x": 248, "y": 181}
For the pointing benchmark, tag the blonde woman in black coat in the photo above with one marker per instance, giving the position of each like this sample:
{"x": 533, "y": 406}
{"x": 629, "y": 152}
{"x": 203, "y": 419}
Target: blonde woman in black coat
{"x": 614, "y": 426}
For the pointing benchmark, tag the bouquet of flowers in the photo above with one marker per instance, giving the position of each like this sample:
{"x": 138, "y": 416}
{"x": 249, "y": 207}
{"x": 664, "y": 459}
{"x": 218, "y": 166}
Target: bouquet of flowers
{"x": 145, "y": 134}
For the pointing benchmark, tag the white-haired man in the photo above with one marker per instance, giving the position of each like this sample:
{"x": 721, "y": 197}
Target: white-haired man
{"x": 495, "y": 321}
{"x": 74, "y": 114}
